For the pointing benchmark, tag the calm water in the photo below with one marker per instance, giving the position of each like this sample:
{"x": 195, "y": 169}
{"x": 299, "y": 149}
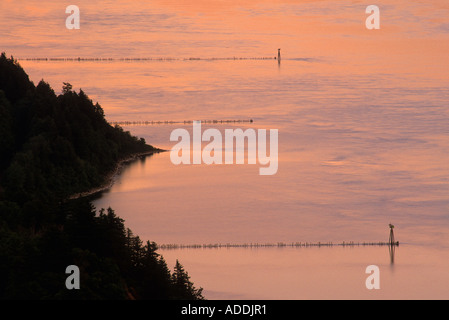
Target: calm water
{"x": 363, "y": 134}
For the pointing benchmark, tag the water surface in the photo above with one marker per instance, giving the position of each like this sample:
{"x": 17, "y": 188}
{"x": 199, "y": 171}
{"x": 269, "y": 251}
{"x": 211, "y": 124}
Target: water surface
{"x": 363, "y": 133}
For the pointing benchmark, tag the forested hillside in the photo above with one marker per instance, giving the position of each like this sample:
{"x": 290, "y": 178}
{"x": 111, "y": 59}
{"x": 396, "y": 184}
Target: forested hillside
{"x": 51, "y": 147}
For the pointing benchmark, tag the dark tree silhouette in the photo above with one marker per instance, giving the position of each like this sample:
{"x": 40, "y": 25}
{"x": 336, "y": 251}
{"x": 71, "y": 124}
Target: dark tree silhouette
{"x": 184, "y": 289}
{"x": 52, "y": 147}
{"x": 66, "y": 88}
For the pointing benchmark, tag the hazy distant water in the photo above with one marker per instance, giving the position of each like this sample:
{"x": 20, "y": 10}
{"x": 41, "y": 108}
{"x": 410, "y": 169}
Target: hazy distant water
{"x": 362, "y": 119}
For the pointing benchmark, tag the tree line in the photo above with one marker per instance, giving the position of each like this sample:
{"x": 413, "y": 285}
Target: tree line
{"x": 51, "y": 147}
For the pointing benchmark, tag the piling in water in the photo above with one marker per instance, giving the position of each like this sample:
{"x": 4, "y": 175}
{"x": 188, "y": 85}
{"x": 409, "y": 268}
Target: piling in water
{"x": 391, "y": 239}
{"x": 275, "y": 245}
{"x": 148, "y": 123}
{"x": 134, "y": 59}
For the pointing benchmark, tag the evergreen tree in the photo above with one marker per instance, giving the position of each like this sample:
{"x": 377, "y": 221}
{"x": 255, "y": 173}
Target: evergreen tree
{"x": 184, "y": 289}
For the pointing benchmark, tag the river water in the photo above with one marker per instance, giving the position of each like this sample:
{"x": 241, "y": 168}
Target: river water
{"x": 362, "y": 117}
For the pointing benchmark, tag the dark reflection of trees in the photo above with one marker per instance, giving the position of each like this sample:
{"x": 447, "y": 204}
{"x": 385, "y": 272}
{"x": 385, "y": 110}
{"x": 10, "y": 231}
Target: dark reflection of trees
{"x": 144, "y": 159}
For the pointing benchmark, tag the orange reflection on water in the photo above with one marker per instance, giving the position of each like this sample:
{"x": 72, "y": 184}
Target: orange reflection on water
{"x": 314, "y": 273}
{"x": 362, "y": 117}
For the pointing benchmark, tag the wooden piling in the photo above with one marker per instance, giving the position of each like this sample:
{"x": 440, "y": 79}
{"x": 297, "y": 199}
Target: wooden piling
{"x": 391, "y": 238}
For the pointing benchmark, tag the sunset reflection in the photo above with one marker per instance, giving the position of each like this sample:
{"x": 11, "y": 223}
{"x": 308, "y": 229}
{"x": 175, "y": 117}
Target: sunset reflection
{"x": 362, "y": 118}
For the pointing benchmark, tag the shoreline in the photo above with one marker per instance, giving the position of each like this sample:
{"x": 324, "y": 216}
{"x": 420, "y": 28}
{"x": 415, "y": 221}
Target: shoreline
{"x": 110, "y": 178}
